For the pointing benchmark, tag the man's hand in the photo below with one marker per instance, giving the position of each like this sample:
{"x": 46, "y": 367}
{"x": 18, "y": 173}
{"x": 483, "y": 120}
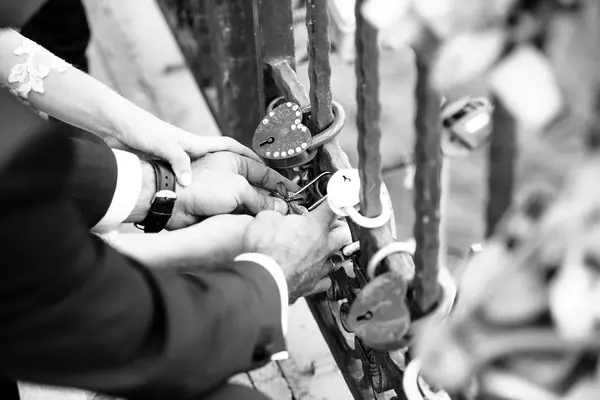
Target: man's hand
{"x": 225, "y": 183}
{"x": 300, "y": 244}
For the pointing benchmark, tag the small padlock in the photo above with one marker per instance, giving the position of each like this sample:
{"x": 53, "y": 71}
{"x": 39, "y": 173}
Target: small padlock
{"x": 343, "y": 191}
{"x": 343, "y": 197}
{"x": 467, "y": 125}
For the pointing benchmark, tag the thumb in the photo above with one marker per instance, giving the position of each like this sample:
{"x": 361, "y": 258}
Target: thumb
{"x": 255, "y": 202}
{"x": 179, "y": 160}
{"x": 324, "y": 214}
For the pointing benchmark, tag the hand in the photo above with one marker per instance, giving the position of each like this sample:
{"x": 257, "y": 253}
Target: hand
{"x": 158, "y": 138}
{"x": 208, "y": 244}
{"x": 225, "y": 183}
{"x": 300, "y": 244}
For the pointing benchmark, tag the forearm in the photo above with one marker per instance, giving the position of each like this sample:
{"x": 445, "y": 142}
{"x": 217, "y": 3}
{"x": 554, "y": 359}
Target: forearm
{"x": 71, "y": 95}
{"x": 210, "y": 243}
{"x": 126, "y": 330}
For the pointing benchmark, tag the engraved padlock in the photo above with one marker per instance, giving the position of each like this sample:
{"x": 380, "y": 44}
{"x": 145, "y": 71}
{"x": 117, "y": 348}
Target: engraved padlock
{"x": 281, "y": 139}
{"x": 467, "y": 125}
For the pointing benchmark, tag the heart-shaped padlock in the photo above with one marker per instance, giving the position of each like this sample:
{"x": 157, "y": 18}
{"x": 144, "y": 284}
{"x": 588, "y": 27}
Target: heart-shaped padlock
{"x": 281, "y": 139}
{"x": 379, "y": 316}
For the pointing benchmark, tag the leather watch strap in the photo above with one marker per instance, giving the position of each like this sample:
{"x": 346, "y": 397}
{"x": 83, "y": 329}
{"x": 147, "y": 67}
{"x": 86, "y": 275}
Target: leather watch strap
{"x": 161, "y": 208}
{"x": 165, "y": 178}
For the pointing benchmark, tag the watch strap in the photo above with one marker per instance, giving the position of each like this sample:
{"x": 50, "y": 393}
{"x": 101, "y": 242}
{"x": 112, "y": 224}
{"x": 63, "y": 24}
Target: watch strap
{"x": 161, "y": 208}
{"x": 165, "y": 177}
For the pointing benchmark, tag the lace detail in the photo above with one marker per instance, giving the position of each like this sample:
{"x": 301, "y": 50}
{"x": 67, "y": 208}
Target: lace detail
{"x": 28, "y": 76}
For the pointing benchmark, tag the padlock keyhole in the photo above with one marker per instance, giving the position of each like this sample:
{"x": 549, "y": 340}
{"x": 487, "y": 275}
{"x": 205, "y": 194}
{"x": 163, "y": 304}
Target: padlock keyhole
{"x": 267, "y": 141}
{"x": 346, "y": 179}
{"x": 365, "y": 317}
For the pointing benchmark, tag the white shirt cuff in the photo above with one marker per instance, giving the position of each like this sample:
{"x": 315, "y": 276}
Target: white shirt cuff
{"x": 275, "y": 270}
{"x": 129, "y": 185}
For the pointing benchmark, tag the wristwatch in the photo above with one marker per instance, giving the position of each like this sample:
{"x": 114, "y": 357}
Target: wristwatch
{"x": 163, "y": 202}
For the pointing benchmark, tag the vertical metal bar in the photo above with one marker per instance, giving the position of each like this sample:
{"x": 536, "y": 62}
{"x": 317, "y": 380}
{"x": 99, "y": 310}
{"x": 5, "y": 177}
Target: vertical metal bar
{"x": 427, "y": 193}
{"x": 237, "y": 77}
{"x": 368, "y": 114}
{"x": 369, "y": 138}
{"x": 319, "y": 68}
{"x": 501, "y": 165}
{"x": 274, "y": 20}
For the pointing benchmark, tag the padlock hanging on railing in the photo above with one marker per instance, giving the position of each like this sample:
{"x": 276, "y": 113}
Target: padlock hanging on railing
{"x": 467, "y": 126}
{"x": 283, "y": 141}
{"x": 343, "y": 197}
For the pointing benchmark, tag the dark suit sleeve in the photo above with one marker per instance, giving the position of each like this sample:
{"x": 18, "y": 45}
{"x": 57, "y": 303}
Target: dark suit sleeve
{"x": 73, "y": 312}
{"x": 93, "y": 179}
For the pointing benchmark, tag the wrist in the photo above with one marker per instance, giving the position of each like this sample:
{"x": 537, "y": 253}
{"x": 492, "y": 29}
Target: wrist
{"x": 142, "y": 206}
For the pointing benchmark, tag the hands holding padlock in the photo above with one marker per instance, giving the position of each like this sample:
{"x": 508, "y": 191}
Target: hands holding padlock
{"x": 301, "y": 244}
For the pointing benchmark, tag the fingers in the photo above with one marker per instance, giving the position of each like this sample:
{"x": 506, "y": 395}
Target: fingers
{"x": 260, "y": 175}
{"x": 323, "y": 213}
{"x": 261, "y": 190}
{"x": 256, "y": 202}
{"x": 197, "y": 146}
{"x": 171, "y": 152}
{"x": 266, "y": 216}
{"x": 339, "y": 237}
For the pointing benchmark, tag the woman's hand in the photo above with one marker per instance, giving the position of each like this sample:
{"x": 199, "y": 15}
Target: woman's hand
{"x": 208, "y": 244}
{"x": 158, "y": 138}
{"x": 76, "y": 98}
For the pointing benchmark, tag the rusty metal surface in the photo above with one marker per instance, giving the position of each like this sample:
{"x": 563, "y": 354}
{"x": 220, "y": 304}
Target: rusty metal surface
{"x": 237, "y": 77}
{"x": 280, "y": 79}
{"x": 368, "y": 114}
{"x": 285, "y": 80}
{"x": 369, "y": 138}
{"x": 379, "y": 315}
{"x": 427, "y": 186}
{"x": 501, "y": 166}
{"x": 319, "y": 68}
{"x": 275, "y": 19}
{"x": 275, "y": 37}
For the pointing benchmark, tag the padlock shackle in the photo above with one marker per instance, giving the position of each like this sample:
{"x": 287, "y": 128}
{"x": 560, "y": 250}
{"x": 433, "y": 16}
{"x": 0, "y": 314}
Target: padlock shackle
{"x": 339, "y": 120}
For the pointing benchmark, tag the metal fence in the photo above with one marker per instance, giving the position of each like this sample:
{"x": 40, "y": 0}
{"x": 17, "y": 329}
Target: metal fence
{"x": 242, "y": 54}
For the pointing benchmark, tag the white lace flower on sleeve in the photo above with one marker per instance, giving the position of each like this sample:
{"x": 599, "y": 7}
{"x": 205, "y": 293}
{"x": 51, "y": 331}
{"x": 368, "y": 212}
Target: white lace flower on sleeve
{"x": 29, "y": 75}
